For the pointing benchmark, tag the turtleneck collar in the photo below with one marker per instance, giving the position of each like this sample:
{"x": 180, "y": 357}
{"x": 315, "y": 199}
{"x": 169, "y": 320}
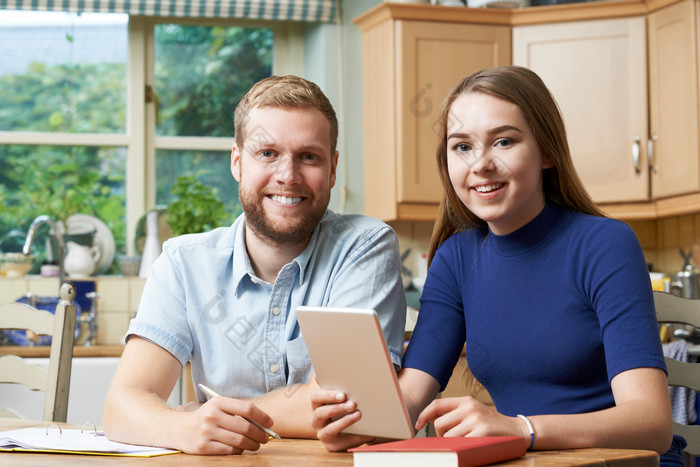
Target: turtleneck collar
{"x": 529, "y": 236}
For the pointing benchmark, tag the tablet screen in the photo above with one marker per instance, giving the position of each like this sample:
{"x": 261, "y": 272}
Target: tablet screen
{"x": 349, "y": 354}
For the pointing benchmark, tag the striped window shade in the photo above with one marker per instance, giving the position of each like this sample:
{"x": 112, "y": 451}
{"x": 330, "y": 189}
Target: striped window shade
{"x": 287, "y": 10}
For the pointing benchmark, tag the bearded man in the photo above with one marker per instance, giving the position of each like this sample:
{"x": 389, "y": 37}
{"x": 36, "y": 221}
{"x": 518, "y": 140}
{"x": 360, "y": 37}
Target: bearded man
{"x": 225, "y": 301}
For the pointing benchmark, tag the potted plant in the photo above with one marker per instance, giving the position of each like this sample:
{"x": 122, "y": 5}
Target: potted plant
{"x": 196, "y": 207}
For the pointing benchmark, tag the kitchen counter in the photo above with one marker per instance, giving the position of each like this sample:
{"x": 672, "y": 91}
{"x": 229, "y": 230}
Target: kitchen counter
{"x": 79, "y": 351}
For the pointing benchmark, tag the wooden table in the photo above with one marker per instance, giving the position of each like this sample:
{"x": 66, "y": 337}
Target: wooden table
{"x": 304, "y": 452}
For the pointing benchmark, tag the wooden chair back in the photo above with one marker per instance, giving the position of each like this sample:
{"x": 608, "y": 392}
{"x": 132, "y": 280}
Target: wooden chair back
{"x": 55, "y": 381}
{"x": 678, "y": 310}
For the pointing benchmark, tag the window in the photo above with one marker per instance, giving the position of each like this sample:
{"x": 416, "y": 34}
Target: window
{"x": 100, "y": 113}
{"x": 201, "y": 73}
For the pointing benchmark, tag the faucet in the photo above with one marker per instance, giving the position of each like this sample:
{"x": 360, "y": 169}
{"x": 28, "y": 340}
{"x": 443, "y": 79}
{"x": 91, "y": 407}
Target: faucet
{"x": 59, "y": 240}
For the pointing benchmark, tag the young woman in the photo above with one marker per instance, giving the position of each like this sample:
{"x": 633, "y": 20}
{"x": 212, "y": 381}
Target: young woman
{"x": 552, "y": 298}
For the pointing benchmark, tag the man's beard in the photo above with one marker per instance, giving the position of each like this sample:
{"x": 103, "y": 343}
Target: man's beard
{"x": 297, "y": 230}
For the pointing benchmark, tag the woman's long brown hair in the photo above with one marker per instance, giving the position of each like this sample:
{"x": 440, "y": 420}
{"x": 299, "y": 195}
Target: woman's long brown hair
{"x": 561, "y": 183}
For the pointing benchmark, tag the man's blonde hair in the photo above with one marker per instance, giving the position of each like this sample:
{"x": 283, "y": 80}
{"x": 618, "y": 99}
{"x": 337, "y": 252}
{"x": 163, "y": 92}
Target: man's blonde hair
{"x": 284, "y": 92}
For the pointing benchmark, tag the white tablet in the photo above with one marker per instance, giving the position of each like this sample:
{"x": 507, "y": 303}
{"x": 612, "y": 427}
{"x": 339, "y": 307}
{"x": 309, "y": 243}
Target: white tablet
{"x": 349, "y": 354}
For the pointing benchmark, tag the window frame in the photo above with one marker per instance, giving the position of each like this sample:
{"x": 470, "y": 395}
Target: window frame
{"x": 140, "y": 138}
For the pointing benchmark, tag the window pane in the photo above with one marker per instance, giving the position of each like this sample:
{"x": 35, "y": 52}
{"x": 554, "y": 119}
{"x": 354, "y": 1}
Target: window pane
{"x": 63, "y": 72}
{"x": 203, "y": 72}
{"x": 211, "y": 168}
{"x": 60, "y": 181}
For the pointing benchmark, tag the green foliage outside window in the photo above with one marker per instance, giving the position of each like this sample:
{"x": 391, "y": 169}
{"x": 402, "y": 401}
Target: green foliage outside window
{"x": 60, "y": 98}
{"x": 203, "y": 72}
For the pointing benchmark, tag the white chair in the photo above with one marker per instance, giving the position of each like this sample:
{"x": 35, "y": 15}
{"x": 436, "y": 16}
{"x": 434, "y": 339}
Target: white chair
{"x": 55, "y": 381}
{"x": 678, "y": 310}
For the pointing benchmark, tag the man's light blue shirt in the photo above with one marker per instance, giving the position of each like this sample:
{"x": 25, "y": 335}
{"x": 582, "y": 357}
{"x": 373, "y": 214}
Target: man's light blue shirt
{"x": 203, "y": 303}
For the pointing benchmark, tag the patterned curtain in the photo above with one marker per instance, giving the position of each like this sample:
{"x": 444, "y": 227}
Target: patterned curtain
{"x": 288, "y": 10}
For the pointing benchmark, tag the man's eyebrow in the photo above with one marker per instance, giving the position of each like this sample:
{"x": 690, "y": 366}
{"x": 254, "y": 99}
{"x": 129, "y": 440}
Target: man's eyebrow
{"x": 272, "y": 145}
{"x": 312, "y": 147}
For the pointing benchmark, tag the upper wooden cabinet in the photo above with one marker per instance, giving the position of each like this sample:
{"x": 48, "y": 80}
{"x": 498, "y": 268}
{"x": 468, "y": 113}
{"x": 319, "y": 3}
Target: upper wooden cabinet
{"x": 625, "y": 148}
{"x": 673, "y": 100}
{"x": 596, "y": 71}
{"x": 409, "y": 67}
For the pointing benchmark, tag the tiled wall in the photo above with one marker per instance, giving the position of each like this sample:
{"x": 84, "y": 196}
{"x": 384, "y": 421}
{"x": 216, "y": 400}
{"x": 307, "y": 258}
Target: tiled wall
{"x": 117, "y": 305}
{"x": 663, "y": 239}
{"x": 118, "y": 301}
{"x": 413, "y": 236}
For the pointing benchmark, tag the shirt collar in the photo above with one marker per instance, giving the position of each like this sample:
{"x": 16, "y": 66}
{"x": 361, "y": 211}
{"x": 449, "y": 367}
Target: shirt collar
{"x": 241, "y": 261}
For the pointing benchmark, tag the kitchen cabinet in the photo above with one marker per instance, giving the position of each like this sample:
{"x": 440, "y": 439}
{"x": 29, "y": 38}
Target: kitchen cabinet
{"x": 409, "y": 65}
{"x": 626, "y": 148}
{"x": 673, "y": 100}
{"x": 596, "y": 71}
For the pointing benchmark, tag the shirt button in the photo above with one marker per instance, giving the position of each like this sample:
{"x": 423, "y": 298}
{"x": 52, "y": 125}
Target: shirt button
{"x": 253, "y": 280}
{"x": 273, "y": 368}
{"x": 276, "y": 311}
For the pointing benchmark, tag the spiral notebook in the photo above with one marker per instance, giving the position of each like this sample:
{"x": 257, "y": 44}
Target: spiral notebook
{"x": 54, "y": 439}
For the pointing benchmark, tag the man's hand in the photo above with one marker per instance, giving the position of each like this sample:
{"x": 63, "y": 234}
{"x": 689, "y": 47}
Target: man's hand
{"x": 217, "y": 427}
{"x": 136, "y": 411}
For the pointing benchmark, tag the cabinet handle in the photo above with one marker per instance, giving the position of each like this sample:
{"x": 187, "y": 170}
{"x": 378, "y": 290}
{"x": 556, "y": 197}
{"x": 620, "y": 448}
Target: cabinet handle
{"x": 635, "y": 155}
{"x": 650, "y": 152}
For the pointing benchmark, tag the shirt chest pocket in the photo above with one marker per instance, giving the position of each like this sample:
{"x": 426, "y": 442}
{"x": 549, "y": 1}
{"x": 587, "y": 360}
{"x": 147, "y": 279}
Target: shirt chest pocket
{"x": 297, "y": 355}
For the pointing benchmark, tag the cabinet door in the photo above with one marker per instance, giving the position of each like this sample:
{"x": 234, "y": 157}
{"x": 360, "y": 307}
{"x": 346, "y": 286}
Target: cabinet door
{"x": 596, "y": 71}
{"x": 431, "y": 58}
{"x": 673, "y": 94}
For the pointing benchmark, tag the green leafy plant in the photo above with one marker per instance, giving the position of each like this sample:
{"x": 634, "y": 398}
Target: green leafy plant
{"x": 196, "y": 207}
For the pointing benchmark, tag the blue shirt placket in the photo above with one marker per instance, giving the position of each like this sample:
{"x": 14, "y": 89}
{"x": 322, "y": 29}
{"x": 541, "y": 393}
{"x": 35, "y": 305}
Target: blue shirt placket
{"x": 275, "y": 366}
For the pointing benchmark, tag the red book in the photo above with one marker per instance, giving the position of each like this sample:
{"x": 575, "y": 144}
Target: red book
{"x": 438, "y": 452}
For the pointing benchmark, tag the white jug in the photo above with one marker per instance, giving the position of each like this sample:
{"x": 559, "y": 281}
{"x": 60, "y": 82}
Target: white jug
{"x": 81, "y": 260}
